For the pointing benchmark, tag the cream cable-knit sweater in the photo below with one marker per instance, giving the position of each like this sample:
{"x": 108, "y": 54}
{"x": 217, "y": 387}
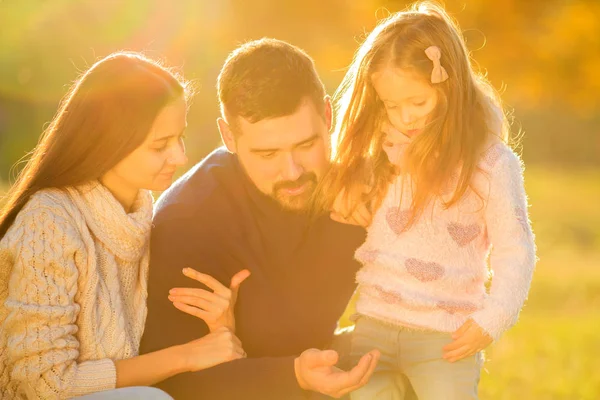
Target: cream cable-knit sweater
{"x": 433, "y": 275}
{"x": 73, "y": 275}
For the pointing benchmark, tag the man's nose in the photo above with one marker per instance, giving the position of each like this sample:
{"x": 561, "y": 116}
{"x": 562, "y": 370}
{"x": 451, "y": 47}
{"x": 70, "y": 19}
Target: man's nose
{"x": 291, "y": 169}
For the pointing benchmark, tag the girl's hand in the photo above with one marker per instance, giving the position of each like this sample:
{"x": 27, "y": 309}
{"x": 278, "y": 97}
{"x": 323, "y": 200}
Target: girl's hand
{"x": 351, "y": 211}
{"x": 468, "y": 340}
{"x": 213, "y": 349}
{"x": 216, "y": 307}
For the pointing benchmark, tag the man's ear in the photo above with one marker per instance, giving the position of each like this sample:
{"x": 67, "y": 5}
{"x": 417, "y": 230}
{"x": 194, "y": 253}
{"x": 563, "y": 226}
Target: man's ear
{"x": 226, "y": 135}
{"x": 328, "y": 112}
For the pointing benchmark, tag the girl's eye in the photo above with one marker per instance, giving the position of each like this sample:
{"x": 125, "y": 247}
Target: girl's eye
{"x": 419, "y": 104}
{"x": 160, "y": 149}
{"x": 308, "y": 145}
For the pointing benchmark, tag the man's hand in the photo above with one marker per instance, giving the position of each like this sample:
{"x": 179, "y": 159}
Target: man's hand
{"x": 316, "y": 371}
{"x": 216, "y": 307}
{"x": 468, "y": 340}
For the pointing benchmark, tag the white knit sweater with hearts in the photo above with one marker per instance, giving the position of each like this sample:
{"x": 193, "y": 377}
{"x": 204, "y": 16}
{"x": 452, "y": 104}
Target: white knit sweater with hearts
{"x": 433, "y": 275}
{"x": 73, "y": 276}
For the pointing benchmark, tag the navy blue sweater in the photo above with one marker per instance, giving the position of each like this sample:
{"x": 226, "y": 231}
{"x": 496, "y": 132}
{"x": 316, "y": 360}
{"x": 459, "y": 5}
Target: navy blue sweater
{"x": 215, "y": 220}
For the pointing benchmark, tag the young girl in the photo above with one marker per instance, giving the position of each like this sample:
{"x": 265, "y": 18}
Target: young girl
{"x": 421, "y": 138}
{"x": 75, "y": 241}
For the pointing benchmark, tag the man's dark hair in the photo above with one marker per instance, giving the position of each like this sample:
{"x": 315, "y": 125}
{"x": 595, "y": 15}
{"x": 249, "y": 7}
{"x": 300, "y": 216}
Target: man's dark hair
{"x": 267, "y": 78}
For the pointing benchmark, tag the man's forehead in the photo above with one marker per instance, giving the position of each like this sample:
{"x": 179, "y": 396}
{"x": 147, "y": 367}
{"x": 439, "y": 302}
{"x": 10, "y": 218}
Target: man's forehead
{"x": 281, "y": 132}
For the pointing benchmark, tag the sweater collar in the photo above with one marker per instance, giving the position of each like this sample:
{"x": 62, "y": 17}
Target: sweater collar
{"x": 125, "y": 234}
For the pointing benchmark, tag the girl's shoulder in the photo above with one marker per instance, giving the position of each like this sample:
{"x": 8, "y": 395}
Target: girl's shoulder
{"x": 497, "y": 155}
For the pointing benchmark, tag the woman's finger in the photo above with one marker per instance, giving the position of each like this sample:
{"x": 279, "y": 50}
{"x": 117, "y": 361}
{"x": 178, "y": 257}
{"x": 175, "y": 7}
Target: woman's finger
{"x": 237, "y": 280}
{"x": 208, "y": 280}
{"x": 200, "y": 293}
{"x": 196, "y": 312}
{"x": 237, "y": 342}
{"x": 199, "y": 303}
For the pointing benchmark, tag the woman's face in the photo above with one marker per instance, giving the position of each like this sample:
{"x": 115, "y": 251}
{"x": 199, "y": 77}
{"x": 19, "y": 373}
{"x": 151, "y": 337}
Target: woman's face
{"x": 152, "y": 165}
{"x": 408, "y": 100}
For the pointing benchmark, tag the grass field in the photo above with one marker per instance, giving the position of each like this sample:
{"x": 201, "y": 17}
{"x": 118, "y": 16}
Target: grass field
{"x": 554, "y": 350}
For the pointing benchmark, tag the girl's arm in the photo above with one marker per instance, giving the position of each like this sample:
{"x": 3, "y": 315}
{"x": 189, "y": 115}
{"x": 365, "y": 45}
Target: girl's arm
{"x": 513, "y": 249}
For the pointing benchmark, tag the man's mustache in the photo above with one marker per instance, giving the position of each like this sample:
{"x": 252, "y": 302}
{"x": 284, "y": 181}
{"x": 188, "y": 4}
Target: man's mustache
{"x": 304, "y": 178}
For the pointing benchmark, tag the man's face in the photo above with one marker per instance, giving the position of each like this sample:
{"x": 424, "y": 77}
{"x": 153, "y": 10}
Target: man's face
{"x": 286, "y": 156}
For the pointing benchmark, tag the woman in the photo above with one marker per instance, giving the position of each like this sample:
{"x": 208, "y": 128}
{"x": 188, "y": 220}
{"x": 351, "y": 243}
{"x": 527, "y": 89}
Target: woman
{"x": 74, "y": 239}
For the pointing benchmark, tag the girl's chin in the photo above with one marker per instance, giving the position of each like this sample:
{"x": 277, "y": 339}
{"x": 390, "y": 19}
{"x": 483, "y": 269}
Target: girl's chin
{"x": 412, "y": 132}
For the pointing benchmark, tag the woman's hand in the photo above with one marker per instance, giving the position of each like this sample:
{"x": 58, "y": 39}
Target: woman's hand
{"x": 213, "y": 349}
{"x": 468, "y": 340}
{"x": 351, "y": 211}
{"x": 216, "y": 308}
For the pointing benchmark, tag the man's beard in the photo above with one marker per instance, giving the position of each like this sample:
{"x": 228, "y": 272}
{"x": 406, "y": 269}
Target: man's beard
{"x": 300, "y": 201}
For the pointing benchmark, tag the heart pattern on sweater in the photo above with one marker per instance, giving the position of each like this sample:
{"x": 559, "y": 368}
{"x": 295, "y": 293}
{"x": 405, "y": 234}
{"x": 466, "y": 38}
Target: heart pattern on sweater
{"x": 492, "y": 155}
{"x": 424, "y": 271}
{"x": 367, "y": 256}
{"x": 463, "y": 234}
{"x": 391, "y": 298}
{"x": 397, "y": 219}
{"x": 453, "y": 307}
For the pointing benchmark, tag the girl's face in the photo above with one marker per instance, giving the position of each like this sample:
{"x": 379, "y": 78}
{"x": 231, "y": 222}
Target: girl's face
{"x": 152, "y": 165}
{"x": 408, "y": 100}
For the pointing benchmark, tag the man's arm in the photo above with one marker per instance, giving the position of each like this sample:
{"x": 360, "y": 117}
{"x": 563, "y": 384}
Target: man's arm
{"x": 176, "y": 244}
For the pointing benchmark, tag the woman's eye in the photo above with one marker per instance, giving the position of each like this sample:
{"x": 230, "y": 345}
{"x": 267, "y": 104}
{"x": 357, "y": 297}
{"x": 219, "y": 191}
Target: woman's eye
{"x": 419, "y": 104}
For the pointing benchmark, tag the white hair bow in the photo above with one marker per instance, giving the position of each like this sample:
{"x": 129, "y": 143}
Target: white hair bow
{"x": 438, "y": 74}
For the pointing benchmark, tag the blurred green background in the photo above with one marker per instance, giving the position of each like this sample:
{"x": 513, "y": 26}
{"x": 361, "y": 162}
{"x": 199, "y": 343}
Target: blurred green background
{"x": 543, "y": 55}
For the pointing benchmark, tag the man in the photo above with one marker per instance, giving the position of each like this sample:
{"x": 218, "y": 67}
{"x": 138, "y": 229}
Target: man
{"x": 245, "y": 208}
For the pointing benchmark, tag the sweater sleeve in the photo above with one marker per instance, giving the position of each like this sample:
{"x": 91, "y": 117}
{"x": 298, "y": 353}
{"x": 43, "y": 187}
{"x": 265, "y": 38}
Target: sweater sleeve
{"x": 264, "y": 378}
{"x": 512, "y": 258}
{"x": 41, "y": 323}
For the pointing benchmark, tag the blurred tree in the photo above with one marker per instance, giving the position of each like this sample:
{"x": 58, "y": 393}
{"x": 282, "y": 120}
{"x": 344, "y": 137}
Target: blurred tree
{"x": 543, "y": 55}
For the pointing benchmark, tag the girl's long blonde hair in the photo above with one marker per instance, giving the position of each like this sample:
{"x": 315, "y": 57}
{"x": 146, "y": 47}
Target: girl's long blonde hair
{"x": 467, "y": 113}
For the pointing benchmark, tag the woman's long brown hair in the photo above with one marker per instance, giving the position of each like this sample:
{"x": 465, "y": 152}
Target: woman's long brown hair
{"x": 106, "y": 114}
{"x": 467, "y": 113}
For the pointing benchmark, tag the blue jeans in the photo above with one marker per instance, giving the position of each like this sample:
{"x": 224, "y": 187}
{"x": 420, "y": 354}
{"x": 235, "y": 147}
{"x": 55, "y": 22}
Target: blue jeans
{"x": 411, "y": 364}
{"x": 128, "y": 393}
